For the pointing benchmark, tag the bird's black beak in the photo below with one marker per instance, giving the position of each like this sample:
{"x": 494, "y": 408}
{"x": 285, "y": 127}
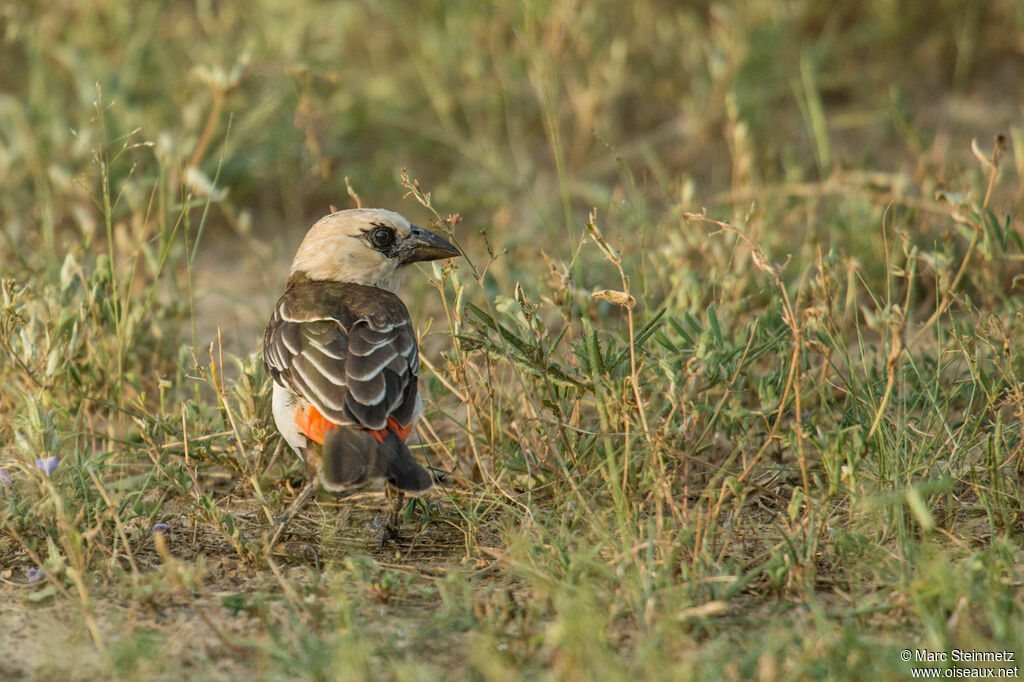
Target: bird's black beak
{"x": 423, "y": 245}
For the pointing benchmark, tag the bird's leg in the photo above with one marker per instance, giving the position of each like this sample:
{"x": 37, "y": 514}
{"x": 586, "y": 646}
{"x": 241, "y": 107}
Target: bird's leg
{"x": 393, "y": 523}
{"x": 293, "y": 509}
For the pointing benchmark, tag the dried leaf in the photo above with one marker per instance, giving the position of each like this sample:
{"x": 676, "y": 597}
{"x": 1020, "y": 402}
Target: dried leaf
{"x": 620, "y": 298}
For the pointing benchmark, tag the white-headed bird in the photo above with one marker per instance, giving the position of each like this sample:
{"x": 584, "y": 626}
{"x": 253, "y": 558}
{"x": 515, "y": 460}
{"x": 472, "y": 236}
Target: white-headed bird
{"x": 341, "y": 350}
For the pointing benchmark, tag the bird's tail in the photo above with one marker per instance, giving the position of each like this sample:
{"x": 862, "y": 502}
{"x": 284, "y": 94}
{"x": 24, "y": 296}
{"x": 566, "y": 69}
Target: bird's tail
{"x": 352, "y": 456}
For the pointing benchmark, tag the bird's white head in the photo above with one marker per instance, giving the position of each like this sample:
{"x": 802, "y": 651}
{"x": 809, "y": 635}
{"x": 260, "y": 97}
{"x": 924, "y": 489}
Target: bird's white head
{"x": 367, "y": 246}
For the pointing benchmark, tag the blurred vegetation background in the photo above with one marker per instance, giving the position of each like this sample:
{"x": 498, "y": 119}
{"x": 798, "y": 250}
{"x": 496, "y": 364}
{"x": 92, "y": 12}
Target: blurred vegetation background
{"x": 793, "y": 434}
{"x": 521, "y": 117}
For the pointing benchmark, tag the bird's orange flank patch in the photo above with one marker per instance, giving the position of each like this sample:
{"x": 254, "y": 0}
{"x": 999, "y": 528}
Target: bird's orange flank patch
{"x": 313, "y": 424}
{"x": 394, "y": 427}
{"x": 316, "y": 426}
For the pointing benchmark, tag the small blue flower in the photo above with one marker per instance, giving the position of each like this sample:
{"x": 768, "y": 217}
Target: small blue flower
{"x": 160, "y": 528}
{"x": 4, "y": 478}
{"x": 47, "y": 464}
{"x": 34, "y": 574}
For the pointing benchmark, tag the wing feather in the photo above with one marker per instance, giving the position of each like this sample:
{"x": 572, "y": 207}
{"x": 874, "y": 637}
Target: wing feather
{"x": 348, "y": 349}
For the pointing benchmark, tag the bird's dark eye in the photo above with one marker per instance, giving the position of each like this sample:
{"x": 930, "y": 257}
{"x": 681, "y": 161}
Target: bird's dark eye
{"x": 382, "y": 237}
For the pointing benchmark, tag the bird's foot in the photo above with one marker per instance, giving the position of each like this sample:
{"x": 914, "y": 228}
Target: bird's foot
{"x": 393, "y": 522}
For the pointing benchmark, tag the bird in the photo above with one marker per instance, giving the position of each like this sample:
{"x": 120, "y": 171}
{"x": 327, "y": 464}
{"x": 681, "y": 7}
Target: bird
{"x": 341, "y": 351}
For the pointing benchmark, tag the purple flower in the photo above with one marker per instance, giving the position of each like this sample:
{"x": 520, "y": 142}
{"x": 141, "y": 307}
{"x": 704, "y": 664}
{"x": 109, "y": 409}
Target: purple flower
{"x": 34, "y": 574}
{"x": 47, "y": 464}
{"x": 4, "y": 478}
{"x": 160, "y": 528}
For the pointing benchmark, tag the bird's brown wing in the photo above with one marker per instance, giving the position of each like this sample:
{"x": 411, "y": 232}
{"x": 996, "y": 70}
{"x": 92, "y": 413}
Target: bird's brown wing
{"x": 348, "y": 349}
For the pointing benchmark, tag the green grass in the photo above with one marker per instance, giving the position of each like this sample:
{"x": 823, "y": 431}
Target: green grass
{"x": 729, "y": 384}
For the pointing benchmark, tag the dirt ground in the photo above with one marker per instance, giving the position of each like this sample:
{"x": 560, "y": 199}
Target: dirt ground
{"x": 206, "y": 608}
